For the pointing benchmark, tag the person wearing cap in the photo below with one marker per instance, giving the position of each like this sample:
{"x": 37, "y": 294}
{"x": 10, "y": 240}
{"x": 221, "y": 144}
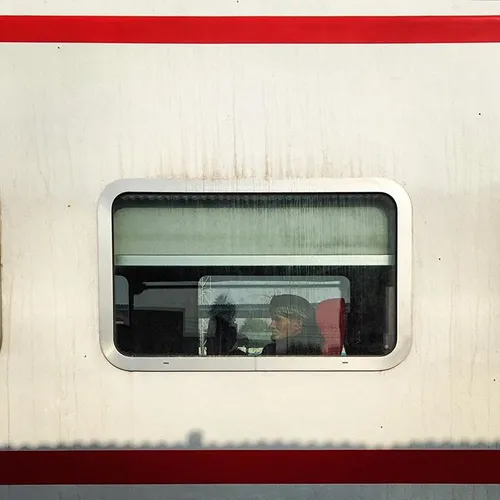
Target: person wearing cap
{"x": 293, "y": 326}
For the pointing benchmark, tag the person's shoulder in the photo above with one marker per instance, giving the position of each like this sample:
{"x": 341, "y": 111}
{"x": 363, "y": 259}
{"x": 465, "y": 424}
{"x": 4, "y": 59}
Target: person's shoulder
{"x": 269, "y": 350}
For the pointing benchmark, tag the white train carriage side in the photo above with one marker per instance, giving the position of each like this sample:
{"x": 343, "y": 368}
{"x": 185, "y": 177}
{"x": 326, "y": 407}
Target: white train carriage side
{"x": 250, "y": 250}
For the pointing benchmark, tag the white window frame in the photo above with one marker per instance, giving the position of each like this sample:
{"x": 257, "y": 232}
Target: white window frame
{"x": 257, "y": 363}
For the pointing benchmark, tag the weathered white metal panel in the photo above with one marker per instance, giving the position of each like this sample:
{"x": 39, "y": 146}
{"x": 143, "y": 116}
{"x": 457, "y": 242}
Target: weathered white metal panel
{"x": 250, "y": 7}
{"x": 76, "y": 117}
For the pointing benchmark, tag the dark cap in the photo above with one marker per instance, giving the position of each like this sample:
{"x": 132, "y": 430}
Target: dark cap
{"x": 290, "y": 306}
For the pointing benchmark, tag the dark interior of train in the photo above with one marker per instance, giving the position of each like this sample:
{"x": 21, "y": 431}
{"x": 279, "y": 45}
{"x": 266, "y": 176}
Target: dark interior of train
{"x": 161, "y": 315}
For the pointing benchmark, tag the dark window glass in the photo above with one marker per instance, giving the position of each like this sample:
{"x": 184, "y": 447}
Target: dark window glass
{"x": 254, "y": 274}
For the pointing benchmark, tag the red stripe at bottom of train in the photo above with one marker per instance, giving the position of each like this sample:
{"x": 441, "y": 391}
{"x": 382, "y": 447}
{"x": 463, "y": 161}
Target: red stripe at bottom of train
{"x": 250, "y": 467}
{"x": 253, "y": 30}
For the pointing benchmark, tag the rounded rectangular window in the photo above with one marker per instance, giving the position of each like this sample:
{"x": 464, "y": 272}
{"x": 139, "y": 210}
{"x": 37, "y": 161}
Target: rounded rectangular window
{"x": 244, "y": 277}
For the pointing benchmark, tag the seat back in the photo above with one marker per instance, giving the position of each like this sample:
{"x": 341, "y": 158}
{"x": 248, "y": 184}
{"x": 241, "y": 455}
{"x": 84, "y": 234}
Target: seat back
{"x": 331, "y": 319}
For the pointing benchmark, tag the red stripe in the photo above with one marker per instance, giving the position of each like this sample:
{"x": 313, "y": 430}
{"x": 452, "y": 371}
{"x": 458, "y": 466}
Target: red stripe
{"x": 304, "y": 30}
{"x": 250, "y": 467}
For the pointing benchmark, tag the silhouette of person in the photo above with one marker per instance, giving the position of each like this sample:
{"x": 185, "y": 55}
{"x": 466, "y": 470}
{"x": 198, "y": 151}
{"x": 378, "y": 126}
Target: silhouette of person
{"x": 222, "y": 332}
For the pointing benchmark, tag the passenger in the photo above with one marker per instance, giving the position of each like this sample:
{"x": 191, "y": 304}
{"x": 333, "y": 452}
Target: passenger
{"x": 293, "y": 326}
{"x": 222, "y": 332}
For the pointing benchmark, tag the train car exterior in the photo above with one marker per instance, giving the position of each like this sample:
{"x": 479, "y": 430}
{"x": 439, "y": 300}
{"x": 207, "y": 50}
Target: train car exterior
{"x": 250, "y": 250}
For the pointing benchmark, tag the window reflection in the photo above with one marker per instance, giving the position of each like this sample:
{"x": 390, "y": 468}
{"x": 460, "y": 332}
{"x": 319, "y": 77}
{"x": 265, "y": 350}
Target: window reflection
{"x": 255, "y": 275}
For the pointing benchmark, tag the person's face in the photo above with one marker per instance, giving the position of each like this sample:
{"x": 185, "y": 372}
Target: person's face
{"x": 282, "y": 327}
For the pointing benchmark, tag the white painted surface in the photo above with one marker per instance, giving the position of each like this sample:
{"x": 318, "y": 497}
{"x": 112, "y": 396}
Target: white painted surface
{"x": 250, "y": 7}
{"x": 76, "y": 117}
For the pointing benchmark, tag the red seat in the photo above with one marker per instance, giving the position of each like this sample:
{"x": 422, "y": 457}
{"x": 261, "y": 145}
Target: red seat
{"x": 331, "y": 317}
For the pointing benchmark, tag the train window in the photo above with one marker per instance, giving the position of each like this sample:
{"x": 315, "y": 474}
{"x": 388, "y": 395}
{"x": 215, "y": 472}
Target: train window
{"x": 247, "y": 277}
